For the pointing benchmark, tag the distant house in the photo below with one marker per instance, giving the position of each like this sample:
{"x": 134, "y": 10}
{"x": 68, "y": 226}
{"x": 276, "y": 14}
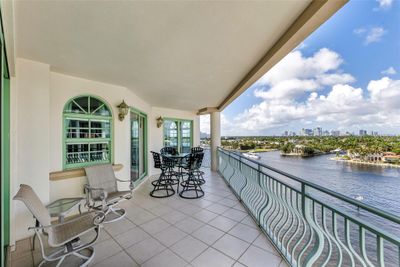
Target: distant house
{"x": 390, "y": 157}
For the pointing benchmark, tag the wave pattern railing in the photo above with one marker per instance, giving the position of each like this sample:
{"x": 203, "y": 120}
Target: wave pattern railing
{"x": 207, "y": 158}
{"x": 311, "y": 225}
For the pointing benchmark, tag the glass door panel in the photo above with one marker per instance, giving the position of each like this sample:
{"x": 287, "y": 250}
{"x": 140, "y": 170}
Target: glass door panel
{"x": 138, "y": 162}
{"x": 186, "y": 130}
{"x": 171, "y": 134}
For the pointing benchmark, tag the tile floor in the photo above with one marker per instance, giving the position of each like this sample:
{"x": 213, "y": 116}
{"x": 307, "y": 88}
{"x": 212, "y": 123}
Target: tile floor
{"x": 212, "y": 231}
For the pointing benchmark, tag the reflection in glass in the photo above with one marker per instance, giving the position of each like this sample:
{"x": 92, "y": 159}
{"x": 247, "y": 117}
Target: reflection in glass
{"x": 137, "y": 146}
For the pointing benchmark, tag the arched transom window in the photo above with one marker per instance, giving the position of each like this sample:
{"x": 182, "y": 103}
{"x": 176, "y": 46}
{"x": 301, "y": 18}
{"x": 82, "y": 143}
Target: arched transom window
{"x": 87, "y": 132}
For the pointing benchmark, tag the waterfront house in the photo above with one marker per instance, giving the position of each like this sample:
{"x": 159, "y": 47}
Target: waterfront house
{"x": 89, "y": 82}
{"x": 390, "y": 157}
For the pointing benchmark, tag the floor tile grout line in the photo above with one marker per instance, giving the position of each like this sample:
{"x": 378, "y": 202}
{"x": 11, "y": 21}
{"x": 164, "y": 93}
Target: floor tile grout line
{"x": 123, "y": 249}
{"x": 204, "y": 223}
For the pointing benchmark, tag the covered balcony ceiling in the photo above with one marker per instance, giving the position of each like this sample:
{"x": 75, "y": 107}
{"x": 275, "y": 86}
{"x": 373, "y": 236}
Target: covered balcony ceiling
{"x": 183, "y": 55}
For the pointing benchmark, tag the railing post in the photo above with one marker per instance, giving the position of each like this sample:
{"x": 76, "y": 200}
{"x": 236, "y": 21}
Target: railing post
{"x": 303, "y": 198}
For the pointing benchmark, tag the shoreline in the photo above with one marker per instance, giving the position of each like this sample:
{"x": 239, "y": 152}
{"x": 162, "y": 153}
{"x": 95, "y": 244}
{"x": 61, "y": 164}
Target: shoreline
{"x": 366, "y": 163}
{"x": 261, "y": 150}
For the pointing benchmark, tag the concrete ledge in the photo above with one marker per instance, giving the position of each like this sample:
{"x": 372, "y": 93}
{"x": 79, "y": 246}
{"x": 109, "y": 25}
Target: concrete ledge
{"x": 75, "y": 173}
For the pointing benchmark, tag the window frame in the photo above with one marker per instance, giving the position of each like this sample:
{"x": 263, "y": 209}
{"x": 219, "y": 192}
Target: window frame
{"x": 179, "y": 131}
{"x": 88, "y": 141}
{"x": 145, "y": 143}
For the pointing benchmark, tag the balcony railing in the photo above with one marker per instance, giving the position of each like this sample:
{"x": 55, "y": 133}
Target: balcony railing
{"x": 311, "y": 225}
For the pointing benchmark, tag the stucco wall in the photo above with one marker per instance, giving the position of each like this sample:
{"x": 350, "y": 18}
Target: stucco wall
{"x": 32, "y": 152}
{"x": 41, "y": 96}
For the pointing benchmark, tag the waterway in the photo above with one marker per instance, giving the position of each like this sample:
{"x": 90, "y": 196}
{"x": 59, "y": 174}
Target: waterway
{"x": 378, "y": 186}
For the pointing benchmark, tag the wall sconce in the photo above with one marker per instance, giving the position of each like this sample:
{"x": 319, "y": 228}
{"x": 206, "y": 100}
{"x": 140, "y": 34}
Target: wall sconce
{"x": 123, "y": 110}
{"x": 159, "y": 121}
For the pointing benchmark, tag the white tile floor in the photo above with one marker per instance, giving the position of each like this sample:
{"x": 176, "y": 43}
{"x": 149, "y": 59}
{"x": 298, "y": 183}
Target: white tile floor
{"x": 213, "y": 231}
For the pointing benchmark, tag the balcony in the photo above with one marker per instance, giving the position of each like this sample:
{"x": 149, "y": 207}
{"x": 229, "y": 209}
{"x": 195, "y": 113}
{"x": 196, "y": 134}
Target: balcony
{"x": 215, "y": 230}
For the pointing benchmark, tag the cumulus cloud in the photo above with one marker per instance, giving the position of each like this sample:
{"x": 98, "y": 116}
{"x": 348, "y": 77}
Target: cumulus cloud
{"x": 205, "y": 124}
{"x": 314, "y": 89}
{"x": 389, "y": 71}
{"x": 385, "y": 4}
{"x": 370, "y": 35}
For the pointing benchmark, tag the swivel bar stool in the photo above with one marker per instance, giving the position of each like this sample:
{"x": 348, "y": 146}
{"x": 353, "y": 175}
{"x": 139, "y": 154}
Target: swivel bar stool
{"x": 163, "y": 185}
{"x": 191, "y": 187}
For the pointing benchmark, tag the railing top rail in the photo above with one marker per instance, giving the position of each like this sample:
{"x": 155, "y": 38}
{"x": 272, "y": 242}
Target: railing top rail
{"x": 389, "y": 216}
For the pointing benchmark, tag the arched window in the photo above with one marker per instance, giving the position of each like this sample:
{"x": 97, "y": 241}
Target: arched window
{"x": 87, "y": 132}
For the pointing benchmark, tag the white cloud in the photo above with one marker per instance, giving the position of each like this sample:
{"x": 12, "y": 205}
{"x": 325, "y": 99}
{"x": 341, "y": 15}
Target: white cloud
{"x": 374, "y": 35}
{"x": 389, "y": 71}
{"x": 359, "y": 31}
{"x": 384, "y": 4}
{"x": 296, "y": 74}
{"x": 370, "y": 35}
{"x": 313, "y": 89}
{"x": 205, "y": 124}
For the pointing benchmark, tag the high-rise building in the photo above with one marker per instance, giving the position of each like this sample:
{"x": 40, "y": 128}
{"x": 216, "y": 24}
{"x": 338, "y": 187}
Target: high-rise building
{"x": 362, "y": 133}
{"x": 373, "y": 133}
{"x": 318, "y": 131}
{"x": 335, "y": 133}
{"x": 306, "y": 132}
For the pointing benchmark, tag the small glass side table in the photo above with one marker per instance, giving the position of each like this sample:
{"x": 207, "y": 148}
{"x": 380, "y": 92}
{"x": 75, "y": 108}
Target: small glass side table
{"x": 60, "y": 208}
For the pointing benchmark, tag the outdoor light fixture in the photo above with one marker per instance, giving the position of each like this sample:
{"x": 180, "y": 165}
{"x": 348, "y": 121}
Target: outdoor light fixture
{"x": 159, "y": 122}
{"x": 123, "y": 110}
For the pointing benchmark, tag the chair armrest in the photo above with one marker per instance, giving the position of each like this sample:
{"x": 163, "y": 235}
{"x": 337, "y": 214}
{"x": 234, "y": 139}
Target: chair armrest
{"x": 126, "y": 181}
{"x": 98, "y": 218}
{"x": 123, "y": 181}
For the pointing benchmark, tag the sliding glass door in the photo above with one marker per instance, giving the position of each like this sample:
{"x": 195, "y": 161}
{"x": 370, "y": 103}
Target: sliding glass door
{"x": 138, "y": 146}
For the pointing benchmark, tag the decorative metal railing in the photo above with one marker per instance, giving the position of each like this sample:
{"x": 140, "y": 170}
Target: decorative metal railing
{"x": 207, "y": 158}
{"x": 311, "y": 225}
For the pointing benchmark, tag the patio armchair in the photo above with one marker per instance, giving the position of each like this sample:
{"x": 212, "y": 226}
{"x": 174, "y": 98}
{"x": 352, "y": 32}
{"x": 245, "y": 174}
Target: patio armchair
{"x": 102, "y": 191}
{"x": 65, "y": 236}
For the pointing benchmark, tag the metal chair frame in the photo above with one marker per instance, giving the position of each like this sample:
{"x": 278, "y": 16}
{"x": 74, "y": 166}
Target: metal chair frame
{"x": 192, "y": 183}
{"x": 70, "y": 247}
{"x": 102, "y": 203}
{"x": 164, "y": 181}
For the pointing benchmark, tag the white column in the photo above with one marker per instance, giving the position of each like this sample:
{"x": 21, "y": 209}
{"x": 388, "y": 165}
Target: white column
{"x": 215, "y": 121}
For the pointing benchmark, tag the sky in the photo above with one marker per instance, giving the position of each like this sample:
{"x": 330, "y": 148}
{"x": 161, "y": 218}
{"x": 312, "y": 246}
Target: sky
{"x": 345, "y": 76}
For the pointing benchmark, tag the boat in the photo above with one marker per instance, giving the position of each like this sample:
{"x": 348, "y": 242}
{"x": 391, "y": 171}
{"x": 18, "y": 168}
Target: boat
{"x": 251, "y": 155}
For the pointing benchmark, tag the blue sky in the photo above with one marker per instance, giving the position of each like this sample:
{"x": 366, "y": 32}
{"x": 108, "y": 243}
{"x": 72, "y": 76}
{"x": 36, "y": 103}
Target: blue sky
{"x": 346, "y": 76}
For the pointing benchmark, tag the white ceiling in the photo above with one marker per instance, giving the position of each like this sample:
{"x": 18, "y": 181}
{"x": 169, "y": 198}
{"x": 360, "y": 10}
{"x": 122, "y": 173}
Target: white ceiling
{"x": 183, "y": 55}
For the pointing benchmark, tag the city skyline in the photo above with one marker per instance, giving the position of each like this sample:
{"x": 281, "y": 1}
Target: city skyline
{"x": 344, "y": 76}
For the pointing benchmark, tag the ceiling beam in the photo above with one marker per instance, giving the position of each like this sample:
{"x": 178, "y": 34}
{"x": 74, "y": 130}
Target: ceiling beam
{"x": 207, "y": 110}
{"x": 312, "y": 17}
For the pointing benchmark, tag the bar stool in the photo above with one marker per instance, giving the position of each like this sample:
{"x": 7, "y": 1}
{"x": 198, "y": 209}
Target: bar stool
{"x": 191, "y": 187}
{"x": 197, "y": 172}
{"x": 164, "y": 182}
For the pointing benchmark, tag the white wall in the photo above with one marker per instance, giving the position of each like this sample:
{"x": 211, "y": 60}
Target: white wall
{"x": 32, "y": 152}
{"x": 41, "y": 97}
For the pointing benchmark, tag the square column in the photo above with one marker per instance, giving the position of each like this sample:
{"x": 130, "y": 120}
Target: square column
{"x": 215, "y": 121}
